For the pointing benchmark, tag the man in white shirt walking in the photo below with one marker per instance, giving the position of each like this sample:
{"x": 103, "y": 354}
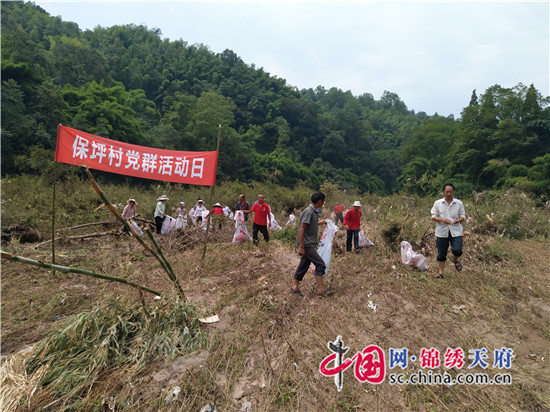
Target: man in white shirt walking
{"x": 448, "y": 213}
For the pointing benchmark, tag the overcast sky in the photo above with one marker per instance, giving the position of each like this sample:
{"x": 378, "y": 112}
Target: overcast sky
{"x": 432, "y": 54}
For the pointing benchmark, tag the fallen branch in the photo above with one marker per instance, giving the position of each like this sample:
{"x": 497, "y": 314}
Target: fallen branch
{"x": 76, "y": 237}
{"x": 106, "y": 222}
{"x": 66, "y": 269}
{"x": 137, "y": 219}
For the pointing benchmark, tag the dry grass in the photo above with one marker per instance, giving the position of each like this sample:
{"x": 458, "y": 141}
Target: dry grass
{"x": 266, "y": 349}
{"x": 113, "y": 343}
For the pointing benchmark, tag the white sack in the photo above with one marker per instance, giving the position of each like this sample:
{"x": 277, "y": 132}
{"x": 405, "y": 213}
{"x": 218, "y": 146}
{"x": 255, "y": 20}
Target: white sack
{"x": 409, "y": 257}
{"x": 325, "y": 244}
{"x": 241, "y": 233}
{"x": 167, "y": 226}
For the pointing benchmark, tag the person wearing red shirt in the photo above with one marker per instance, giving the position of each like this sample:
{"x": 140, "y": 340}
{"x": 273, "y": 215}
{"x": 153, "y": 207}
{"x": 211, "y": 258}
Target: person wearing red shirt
{"x": 353, "y": 220}
{"x": 217, "y": 214}
{"x": 217, "y": 209}
{"x": 262, "y": 219}
{"x": 338, "y": 211}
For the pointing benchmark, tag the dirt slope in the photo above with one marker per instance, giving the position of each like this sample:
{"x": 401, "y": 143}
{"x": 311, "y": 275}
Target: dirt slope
{"x": 265, "y": 351}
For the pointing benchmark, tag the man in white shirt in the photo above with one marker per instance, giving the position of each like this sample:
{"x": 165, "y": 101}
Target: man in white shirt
{"x": 448, "y": 213}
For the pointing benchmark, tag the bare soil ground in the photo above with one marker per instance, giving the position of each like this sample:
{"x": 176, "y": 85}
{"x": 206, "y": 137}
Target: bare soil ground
{"x": 265, "y": 351}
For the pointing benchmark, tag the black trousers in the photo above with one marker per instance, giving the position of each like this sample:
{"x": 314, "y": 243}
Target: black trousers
{"x": 442, "y": 244}
{"x": 310, "y": 256}
{"x": 158, "y": 223}
{"x": 259, "y": 228}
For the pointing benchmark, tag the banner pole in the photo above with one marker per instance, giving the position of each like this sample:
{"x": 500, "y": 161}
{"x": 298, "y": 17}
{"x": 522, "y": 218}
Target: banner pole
{"x": 211, "y": 198}
{"x": 53, "y": 221}
{"x": 54, "y": 169}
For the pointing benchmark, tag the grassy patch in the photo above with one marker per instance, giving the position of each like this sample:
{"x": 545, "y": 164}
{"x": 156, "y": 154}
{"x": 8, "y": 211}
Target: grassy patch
{"x": 112, "y": 342}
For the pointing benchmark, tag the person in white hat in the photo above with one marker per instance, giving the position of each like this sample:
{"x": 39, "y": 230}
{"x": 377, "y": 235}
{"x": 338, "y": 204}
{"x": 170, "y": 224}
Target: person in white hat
{"x": 353, "y": 221}
{"x": 129, "y": 211}
{"x": 217, "y": 214}
{"x": 160, "y": 212}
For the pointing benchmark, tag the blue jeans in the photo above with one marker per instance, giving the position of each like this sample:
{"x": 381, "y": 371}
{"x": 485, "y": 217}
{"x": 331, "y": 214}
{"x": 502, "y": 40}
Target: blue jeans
{"x": 442, "y": 244}
{"x": 355, "y": 234}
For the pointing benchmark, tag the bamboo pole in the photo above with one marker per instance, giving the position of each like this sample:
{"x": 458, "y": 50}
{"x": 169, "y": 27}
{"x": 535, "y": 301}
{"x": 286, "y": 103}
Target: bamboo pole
{"x": 159, "y": 251}
{"x": 211, "y": 199}
{"x": 119, "y": 217}
{"x": 66, "y": 269}
{"x": 53, "y": 218}
{"x": 169, "y": 270}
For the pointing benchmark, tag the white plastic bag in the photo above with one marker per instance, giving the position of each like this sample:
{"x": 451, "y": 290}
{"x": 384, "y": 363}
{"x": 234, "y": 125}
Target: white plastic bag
{"x": 192, "y": 216}
{"x": 325, "y": 244}
{"x": 364, "y": 241}
{"x": 205, "y": 214}
{"x": 137, "y": 228}
{"x": 241, "y": 233}
{"x": 181, "y": 222}
{"x": 167, "y": 226}
{"x": 409, "y": 257}
{"x": 291, "y": 220}
{"x": 274, "y": 225}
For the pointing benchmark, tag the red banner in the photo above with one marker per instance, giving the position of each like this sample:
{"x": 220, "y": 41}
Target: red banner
{"x": 77, "y": 148}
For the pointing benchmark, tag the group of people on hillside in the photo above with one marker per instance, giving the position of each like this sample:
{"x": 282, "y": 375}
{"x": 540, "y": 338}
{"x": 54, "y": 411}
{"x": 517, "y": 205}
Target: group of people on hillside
{"x": 261, "y": 210}
{"x": 447, "y": 212}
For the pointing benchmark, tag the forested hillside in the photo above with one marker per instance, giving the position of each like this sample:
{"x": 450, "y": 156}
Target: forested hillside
{"x": 127, "y": 83}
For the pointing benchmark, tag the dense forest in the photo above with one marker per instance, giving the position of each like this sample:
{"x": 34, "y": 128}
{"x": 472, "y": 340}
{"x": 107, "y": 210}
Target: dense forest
{"x": 127, "y": 83}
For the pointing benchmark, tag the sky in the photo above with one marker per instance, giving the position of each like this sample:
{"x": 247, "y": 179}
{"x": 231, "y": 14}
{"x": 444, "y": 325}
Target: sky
{"x": 433, "y": 54}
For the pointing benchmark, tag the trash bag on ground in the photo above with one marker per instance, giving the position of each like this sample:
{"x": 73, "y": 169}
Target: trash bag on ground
{"x": 181, "y": 222}
{"x": 411, "y": 258}
{"x": 274, "y": 225}
{"x": 364, "y": 241}
{"x": 137, "y": 228}
{"x": 168, "y": 225}
{"x": 291, "y": 220}
{"x": 241, "y": 233}
{"x": 325, "y": 244}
